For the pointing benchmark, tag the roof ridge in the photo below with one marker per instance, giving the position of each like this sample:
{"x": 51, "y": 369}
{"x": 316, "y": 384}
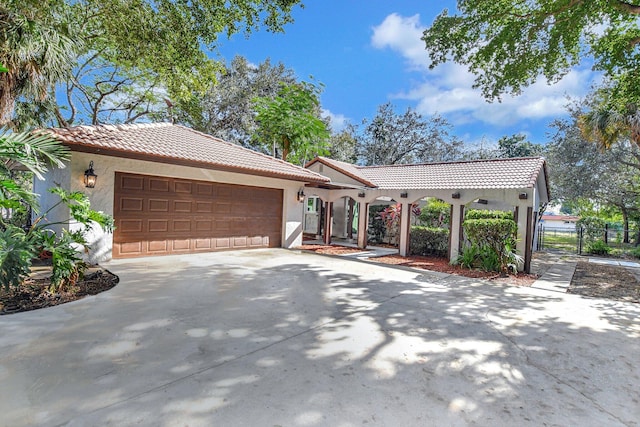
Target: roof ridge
{"x": 499, "y": 159}
{"x": 116, "y": 126}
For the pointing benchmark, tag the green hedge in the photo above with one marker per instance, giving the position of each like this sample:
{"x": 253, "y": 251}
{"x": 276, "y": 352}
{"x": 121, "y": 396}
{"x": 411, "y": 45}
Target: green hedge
{"x": 429, "y": 241}
{"x": 495, "y": 237}
{"x": 486, "y": 214}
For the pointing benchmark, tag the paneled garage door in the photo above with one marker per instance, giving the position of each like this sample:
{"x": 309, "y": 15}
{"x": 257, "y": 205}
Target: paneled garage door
{"x": 159, "y": 216}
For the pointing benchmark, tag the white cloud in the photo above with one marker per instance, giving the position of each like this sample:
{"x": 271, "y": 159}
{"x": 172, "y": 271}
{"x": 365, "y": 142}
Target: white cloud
{"x": 402, "y": 34}
{"x": 448, "y": 89}
{"x": 337, "y": 121}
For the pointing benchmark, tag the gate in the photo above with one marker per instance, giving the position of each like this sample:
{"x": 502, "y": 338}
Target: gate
{"x": 562, "y": 240}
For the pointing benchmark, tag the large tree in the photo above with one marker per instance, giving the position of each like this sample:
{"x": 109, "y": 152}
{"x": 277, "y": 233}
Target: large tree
{"x": 579, "y": 170}
{"x": 162, "y": 40}
{"x": 227, "y": 109}
{"x": 391, "y": 138}
{"x": 509, "y": 44}
{"x": 37, "y": 50}
{"x": 291, "y": 122}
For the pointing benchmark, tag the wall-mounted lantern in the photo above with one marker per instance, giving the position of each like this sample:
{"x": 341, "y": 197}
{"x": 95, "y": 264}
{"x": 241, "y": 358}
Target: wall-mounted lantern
{"x": 361, "y": 194}
{"x": 90, "y": 176}
{"x": 404, "y": 194}
{"x": 300, "y": 195}
{"x": 455, "y": 195}
{"x": 483, "y": 201}
{"x": 523, "y": 196}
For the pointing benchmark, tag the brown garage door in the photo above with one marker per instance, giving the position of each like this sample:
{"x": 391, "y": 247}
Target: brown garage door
{"x": 159, "y": 216}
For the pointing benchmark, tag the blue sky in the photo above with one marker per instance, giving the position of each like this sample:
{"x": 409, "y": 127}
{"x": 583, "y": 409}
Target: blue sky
{"x": 369, "y": 52}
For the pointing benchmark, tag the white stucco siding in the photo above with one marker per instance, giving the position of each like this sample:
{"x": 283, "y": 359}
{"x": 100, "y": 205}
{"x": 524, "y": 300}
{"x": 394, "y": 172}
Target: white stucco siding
{"x": 54, "y": 177}
{"x": 102, "y": 196}
{"x": 334, "y": 175}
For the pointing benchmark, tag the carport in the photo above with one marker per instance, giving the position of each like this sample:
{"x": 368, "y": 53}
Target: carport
{"x": 519, "y": 185}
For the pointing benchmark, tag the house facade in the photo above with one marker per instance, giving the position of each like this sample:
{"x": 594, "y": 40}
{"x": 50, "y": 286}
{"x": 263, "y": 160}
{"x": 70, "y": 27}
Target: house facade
{"x": 174, "y": 190}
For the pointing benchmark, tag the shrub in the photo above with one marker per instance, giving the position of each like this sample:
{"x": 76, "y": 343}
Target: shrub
{"x": 495, "y": 235}
{"x": 486, "y": 214}
{"x": 592, "y": 228}
{"x": 429, "y": 241}
{"x": 598, "y": 247}
{"x": 469, "y": 256}
{"x": 635, "y": 252}
{"x": 436, "y": 213}
{"x": 16, "y": 252}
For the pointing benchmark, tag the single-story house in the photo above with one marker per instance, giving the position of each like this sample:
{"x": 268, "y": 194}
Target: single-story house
{"x": 519, "y": 185}
{"x": 174, "y": 190}
{"x": 559, "y": 222}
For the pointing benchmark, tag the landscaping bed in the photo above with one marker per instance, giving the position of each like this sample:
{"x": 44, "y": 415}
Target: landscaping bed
{"x": 605, "y": 281}
{"x": 33, "y": 293}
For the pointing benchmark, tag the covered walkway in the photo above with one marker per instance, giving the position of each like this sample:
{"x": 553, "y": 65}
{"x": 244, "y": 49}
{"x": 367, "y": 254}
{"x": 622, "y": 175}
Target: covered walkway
{"x": 518, "y": 185}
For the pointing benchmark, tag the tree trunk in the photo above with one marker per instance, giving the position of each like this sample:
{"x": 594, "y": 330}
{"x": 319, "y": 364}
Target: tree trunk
{"x": 286, "y": 147}
{"x": 625, "y": 220}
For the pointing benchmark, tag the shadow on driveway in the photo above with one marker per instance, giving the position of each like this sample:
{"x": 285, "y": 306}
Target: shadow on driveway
{"x": 276, "y": 337}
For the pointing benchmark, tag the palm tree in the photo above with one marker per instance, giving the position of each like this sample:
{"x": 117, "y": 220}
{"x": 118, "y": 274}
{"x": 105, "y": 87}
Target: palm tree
{"x": 607, "y": 126}
{"x": 35, "y": 50}
{"x": 33, "y": 152}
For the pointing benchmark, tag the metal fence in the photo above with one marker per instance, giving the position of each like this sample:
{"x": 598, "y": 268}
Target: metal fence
{"x": 578, "y": 241}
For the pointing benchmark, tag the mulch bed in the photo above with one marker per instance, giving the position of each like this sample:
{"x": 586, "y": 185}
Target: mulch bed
{"x": 33, "y": 293}
{"x": 605, "y": 281}
{"x": 427, "y": 263}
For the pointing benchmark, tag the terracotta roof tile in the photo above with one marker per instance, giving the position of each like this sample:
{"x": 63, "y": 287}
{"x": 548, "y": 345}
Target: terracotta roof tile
{"x": 348, "y": 169}
{"x": 477, "y": 174}
{"x": 167, "y": 143}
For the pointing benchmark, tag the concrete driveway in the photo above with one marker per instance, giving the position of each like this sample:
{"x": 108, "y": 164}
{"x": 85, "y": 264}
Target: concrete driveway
{"x": 281, "y": 338}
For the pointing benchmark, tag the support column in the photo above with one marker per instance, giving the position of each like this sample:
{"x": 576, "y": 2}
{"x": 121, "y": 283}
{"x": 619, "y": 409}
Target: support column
{"x": 405, "y": 223}
{"x": 350, "y": 219}
{"x": 328, "y": 221}
{"x": 522, "y": 223}
{"x": 455, "y": 237}
{"x": 363, "y": 223}
{"x": 529, "y": 237}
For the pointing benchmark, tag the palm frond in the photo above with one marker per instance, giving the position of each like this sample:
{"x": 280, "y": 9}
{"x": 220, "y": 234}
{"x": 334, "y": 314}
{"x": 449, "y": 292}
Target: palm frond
{"x": 35, "y": 151}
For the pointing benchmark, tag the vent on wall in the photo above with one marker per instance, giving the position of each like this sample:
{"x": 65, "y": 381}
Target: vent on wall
{"x": 321, "y": 168}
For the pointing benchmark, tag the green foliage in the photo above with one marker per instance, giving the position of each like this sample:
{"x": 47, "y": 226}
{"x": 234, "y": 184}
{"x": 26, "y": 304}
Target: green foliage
{"x": 291, "y": 121}
{"x": 429, "y": 241}
{"x": 494, "y": 235}
{"x": 507, "y": 44}
{"x": 391, "y": 138}
{"x": 517, "y": 146}
{"x": 592, "y": 228}
{"x": 436, "y": 213}
{"x": 487, "y": 214}
{"x": 153, "y": 48}
{"x": 598, "y": 247}
{"x": 16, "y": 252}
{"x": 635, "y": 252}
{"x": 468, "y": 257}
{"x": 67, "y": 265}
{"x": 489, "y": 260}
{"x": 377, "y": 228}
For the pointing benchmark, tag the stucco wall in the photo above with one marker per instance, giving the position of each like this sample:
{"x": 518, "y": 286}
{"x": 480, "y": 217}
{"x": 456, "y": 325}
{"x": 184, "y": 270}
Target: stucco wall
{"x": 102, "y": 196}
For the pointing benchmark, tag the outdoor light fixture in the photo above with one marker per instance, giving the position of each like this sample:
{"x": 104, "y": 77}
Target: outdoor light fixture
{"x": 482, "y": 201}
{"x": 523, "y": 196}
{"x": 404, "y": 194}
{"x": 301, "y": 195}
{"x": 361, "y": 194}
{"x": 90, "y": 176}
{"x": 455, "y": 195}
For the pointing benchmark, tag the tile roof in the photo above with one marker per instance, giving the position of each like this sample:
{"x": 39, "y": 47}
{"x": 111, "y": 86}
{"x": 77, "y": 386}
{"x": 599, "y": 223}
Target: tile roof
{"x": 169, "y": 143}
{"x": 477, "y": 174}
{"x": 348, "y": 169}
{"x": 514, "y": 173}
